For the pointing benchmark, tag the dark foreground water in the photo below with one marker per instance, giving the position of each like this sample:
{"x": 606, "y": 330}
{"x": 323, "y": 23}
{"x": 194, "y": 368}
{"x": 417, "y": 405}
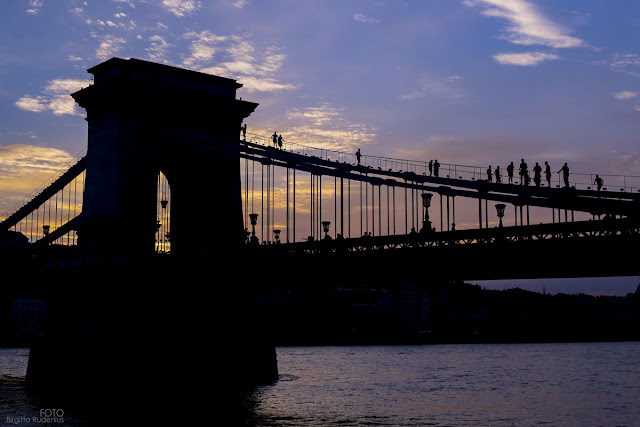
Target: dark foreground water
{"x": 581, "y": 384}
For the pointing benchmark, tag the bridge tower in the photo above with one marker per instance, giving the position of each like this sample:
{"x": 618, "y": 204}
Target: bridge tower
{"x": 144, "y": 118}
{"x": 123, "y": 325}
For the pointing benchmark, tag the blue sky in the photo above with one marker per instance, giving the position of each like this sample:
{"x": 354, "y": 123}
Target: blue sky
{"x": 473, "y": 82}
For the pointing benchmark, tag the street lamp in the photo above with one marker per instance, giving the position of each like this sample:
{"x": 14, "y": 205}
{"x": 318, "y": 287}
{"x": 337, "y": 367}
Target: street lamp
{"x": 325, "y": 228}
{"x": 500, "y": 209}
{"x": 254, "y": 220}
{"x": 45, "y": 229}
{"x": 276, "y": 236}
{"x": 426, "y": 202}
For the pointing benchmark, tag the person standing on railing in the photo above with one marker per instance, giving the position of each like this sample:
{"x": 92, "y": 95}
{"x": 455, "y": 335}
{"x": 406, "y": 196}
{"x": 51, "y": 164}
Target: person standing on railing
{"x": 510, "y": 172}
{"x": 489, "y": 175}
{"x": 358, "y": 155}
{"x": 599, "y": 182}
{"x": 565, "y": 174}
{"x": 274, "y": 137}
{"x": 547, "y": 172}
{"x": 537, "y": 174}
{"x": 498, "y": 175}
{"x": 436, "y": 168}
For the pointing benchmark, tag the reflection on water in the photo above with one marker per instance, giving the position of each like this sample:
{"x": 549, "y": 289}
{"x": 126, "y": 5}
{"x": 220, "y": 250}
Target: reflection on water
{"x": 491, "y": 385}
{"x": 524, "y": 384}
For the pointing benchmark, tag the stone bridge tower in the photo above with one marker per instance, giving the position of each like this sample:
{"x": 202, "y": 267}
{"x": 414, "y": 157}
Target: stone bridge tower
{"x": 145, "y": 118}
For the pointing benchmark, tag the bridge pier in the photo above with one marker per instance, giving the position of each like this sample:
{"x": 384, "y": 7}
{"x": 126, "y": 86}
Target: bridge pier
{"x": 155, "y": 335}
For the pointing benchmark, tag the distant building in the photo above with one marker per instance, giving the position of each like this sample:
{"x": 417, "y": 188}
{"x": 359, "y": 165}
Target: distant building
{"x": 28, "y": 315}
{"x": 415, "y": 308}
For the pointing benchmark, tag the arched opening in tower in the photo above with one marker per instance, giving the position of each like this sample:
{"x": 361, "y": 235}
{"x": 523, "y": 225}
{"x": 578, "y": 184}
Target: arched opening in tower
{"x": 163, "y": 215}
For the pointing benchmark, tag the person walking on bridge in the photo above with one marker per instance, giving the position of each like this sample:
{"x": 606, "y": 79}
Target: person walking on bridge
{"x": 358, "y": 155}
{"x": 510, "y": 172}
{"x": 537, "y": 174}
{"x": 565, "y": 174}
{"x": 243, "y": 128}
{"x": 436, "y": 168}
{"x": 498, "y": 175}
{"x": 274, "y": 137}
{"x": 489, "y": 175}
{"x": 547, "y": 172}
{"x": 430, "y": 167}
{"x": 599, "y": 182}
{"x": 280, "y": 141}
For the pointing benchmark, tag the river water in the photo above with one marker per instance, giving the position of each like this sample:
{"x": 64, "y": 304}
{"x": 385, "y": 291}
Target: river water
{"x": 567, "y": 384}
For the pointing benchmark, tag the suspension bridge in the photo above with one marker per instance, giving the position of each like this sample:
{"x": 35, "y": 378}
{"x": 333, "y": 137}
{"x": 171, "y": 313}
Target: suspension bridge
{"x": 170, "y": 191}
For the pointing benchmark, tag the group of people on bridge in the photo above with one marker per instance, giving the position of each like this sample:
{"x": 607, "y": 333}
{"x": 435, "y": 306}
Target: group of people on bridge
{"x": 525, "y": 177}
{"x": 434, "y": 168}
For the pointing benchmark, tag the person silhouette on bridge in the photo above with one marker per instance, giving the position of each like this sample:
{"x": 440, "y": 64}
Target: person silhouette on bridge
{"x": 547, "y": 172}
{"x": 358, "y": 155}
{"x": 510, "y": 172}
{"x": 498, "y": 175}
{"x": 430, "y": 167}
{"x": 436, "y": 168}
{"x": 243, "y": 128}
{"x": 524, "y": 172}
{"x": 489, "y": 176}
{"x": 537, "y": 174}
{"x": 599, "y": 182}
{"x": 280, "y": 141}
{"x": 565, "y": 174}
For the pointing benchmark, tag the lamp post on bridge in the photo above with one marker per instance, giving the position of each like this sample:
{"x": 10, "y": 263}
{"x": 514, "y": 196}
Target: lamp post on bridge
{"x": 254, "y": 220}
{"x": 500, "y": 210}
{"x": 426, "y": 202}
{"x": 325, "y": 228}
{"x": 276, "y": 236}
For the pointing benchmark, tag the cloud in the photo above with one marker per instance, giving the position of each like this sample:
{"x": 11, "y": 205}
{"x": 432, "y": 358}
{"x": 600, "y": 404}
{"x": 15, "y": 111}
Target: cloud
{"x": 240, "y": 3}
{"x": 527, "y": 26}
{"x": 24, "y": 168}
{"x": 366, "y": 19}
{"x": 55, "y": 97}
{"x": 34, "y": 6}
{"x": 109, "y": 46}
{"x": 435, "y": 86}
{"x": 326, "y": 127}
{"x": 29, "y": 103}
{"x": 253, "y": 84}
{"x": 203, "y": 47}
{"x": 181, "y": 8}
{"x": 524, "y": 59}
{"x": 236, "y": 57}
{"x": 129, "y": 2}
{"x": 626, "y": 94}
{"x": 158, "y": 49}
{"x": 628, "y": 63}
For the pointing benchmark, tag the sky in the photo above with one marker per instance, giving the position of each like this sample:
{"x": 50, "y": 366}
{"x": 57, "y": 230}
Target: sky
{"x": 470, "y": 82}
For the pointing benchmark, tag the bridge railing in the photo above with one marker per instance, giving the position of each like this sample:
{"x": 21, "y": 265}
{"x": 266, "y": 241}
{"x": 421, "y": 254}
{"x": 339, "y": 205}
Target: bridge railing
{"x": 608, "y": 228}
{"x": 579, "y": 180}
